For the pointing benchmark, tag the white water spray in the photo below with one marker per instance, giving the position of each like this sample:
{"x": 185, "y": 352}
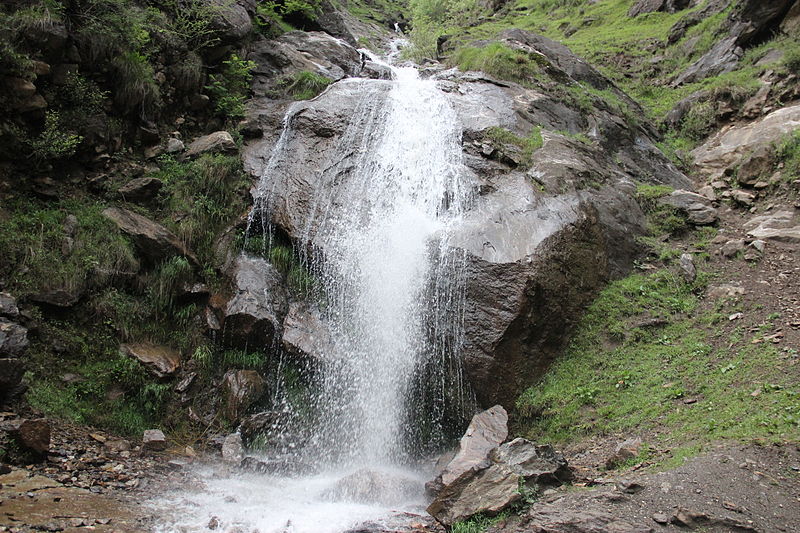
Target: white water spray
{"x": 393, "y": 300}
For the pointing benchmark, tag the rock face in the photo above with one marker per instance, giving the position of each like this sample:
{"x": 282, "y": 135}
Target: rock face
{"x": 158, "y": 360}
{"x": 154, "y": 241}
{"x": 494, "y": 484}
{"x": 253, "y": 316}
{"x": 542, "y": 236}
{"x": 240, "y": 388}
{"x": 486, "y": 431}
{"x": 298, "y": 51}
{"x": 304, "y": 333}
{"x": 732, "y": 145}
{"x": 750, "y": 20}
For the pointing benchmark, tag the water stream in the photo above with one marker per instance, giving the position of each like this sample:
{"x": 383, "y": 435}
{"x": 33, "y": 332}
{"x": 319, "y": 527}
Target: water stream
{"x": 393, "y": 298}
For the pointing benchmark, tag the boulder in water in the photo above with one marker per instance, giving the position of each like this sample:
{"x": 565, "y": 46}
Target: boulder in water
{"x": 486, "y": 431}
{"x": 374, "y": 487}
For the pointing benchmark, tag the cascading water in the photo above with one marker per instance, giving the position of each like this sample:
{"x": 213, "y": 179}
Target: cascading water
{"x": 391, "y": 292}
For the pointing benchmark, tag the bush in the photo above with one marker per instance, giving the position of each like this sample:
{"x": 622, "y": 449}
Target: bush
{"x": 231, "y": 86}
{"x": 54, "y": 142}
{"x": 135, "y": 87}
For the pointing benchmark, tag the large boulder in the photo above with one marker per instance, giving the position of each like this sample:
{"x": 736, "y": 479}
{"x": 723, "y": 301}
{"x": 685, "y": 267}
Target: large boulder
{"x": 697, "y": 208}
{"x": 547, "y": 229}
{"x": 486, "y": 431}
{"x": 8, "y": 305}
{"x": 153, "y": 241}
{"x": 781, "y": 226}
{"x": 213, "y": 143}
{"x": 255, "y": 313}
{"x": 240, "y": 390}
{"x": 160, "y": 361}
{"x": 13, "y": 338}
{"x": 231, "y": 20}
{"x": 30, "y": 439}
{"x": 493, "y": 485}
{"x": 728, "y": 148}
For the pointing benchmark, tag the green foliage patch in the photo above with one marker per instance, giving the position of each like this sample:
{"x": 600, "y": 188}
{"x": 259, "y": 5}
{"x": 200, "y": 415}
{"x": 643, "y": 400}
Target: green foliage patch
{"x": 501, "y": 138}
{"x": 621, "y": 376}
{"x": 499, "y": 60}
{"x": 231, "y": 87}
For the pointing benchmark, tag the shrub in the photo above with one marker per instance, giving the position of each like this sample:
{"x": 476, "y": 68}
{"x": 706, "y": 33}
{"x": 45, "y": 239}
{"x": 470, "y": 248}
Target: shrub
{"x": 135, "y": 86}
{"x": 54, "y": 142}
{"x": 230, "y": 87}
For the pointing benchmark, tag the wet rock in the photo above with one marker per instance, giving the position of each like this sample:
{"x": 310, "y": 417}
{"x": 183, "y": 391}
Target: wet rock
{"x": 486, "y": 431}
{"x": 253, "y": 316}
{"x": 232, "y": 448}
{"x": 160, "y": 361}
{"x": 154, "y": 440}
{"x": 297, "y": 51}
{"x": 154, "y": 241}
{"x": 304, "y": 332}
{"x": 13, "y": 338}
{"x": 781, "y": 226}
{"x": 725, "y": 150}
{"x": 697, "y": 208}
{"x": 217, "y": 142}
{"x": 240, "y": 389}
{"x": 373, "y": 487}
{"x": 141, "y": 189}
{"x": 376, "y": 71}
{"x": 493, "y": 485}
{"x": 286, "y": 467}
{"x": 276, "y": 431}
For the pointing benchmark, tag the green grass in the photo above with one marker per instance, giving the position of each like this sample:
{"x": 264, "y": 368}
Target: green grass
{"x": 500, "y": 61}
{"x": 661, "y": 218}
{"x": 478, "y": 523}
{"x": 620, "y": 378}
{"x": 502, "y": 139}
{"x": 304, "y": 85}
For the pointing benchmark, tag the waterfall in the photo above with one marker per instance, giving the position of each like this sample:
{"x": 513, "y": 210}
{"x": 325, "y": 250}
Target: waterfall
{"x": 391, "y": 290}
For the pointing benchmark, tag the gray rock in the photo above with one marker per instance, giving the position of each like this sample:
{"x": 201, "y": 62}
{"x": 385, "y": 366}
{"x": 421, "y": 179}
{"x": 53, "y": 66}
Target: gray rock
{"x": 174, "y": 146}
{"x": 628, "y": 449}
{"x": 688, "y": 268}
{"x": 31, "y": 437}
{"x": 160, "y": 361}
{"x": 486, "y": 431}
{"x": 253, "y": 316}
{"x": 154, "y": 440}
{"x": 553, "y": 518}
{"x": 304, "y": 333}
{"x": 13, "y": 338}
{"x": 731, "y": 248}
{"x": 373, "y": 487}
{"x": 759, "y": 245}
{"x": 154, "y": 241}
{"x": 213, "y": 143}
{"x": 232, "y": 449}
{"x": 493, "y": 485}
{"x": 61, "y": 297}
{"x": 241, "y": 389}
{"x": 649, "y": 6}
{"x": 8, "y": 305}
{"x": 231, "y": 21}
{"x": 781, "y": 226}
{"x": 697, "y": 208}
{"x": 12, "y": 370}
{"x": 141, "y": 189}
{"x": 743, "y": 197}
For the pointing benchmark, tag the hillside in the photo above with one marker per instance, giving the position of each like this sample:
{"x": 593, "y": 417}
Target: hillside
{"x": 180, "y": 185}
